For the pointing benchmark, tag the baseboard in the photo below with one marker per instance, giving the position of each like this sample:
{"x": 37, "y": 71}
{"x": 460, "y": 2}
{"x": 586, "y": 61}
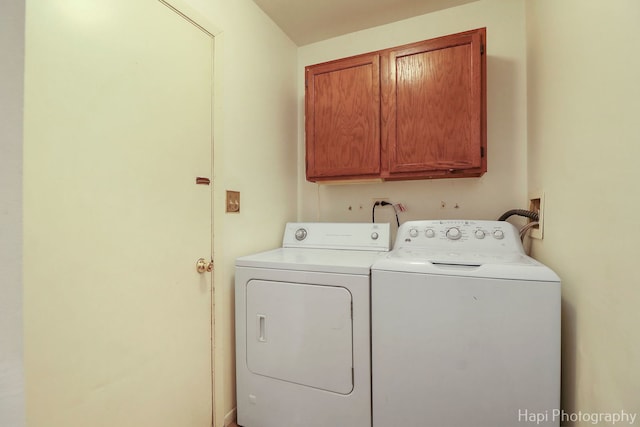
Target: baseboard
{"x": 230, "y": 417}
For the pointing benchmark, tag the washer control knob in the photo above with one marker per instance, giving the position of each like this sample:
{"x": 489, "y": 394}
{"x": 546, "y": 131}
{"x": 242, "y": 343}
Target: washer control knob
{"x": 454, "y": 233}
{"x": 480, "y": 234}
{"x": 301, "y": 234}
{"x": 374, "y": 236}
{"x": 430, "y": 233}
{"x": 498, "y": 234}
{"x": 413, "y": 232}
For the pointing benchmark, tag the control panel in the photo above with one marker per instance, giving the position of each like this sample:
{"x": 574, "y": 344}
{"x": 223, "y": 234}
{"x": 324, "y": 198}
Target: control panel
{"x": 462, "y": 235}
{"x": 337, "y": 235}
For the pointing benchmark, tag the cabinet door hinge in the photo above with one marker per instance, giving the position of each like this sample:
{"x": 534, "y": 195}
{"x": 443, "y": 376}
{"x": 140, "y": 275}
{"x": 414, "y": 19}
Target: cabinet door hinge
{"x": 481, "y": 152}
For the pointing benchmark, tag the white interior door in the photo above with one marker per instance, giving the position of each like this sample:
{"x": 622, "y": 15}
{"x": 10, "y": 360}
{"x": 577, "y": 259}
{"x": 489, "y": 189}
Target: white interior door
{"x": 118, "y": 125}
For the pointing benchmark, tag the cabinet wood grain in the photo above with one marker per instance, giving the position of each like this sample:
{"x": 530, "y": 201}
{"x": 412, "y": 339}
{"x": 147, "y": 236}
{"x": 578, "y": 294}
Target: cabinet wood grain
{"x": 343, "y": 118}
{"x": 411, "y": 112}
{"x": 433, "y": 108}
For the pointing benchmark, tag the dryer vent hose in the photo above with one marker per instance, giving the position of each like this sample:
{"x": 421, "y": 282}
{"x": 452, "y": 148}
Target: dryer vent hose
{"x": 520, "y": 212}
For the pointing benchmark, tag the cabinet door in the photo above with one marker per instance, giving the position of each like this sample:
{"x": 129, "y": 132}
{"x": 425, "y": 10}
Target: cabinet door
{"x": 343, "y": 118}
{"x": 434, "y": 108}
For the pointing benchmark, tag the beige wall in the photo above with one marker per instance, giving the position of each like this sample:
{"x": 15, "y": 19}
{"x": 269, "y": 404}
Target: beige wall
{"x": 503, "y": 187}
{"x": 584, "y": 142}
{"x": 255, "y": 153}
{"x": 11, "y": 102}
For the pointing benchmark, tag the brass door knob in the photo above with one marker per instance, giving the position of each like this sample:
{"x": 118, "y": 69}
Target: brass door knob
{"x": 204, "y": 266}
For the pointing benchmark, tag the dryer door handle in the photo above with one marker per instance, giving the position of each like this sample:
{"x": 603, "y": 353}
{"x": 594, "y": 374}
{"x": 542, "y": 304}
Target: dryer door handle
{"x": 262, "y": 327}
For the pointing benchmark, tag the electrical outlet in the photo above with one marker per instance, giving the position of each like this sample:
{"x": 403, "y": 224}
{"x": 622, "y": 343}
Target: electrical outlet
{"x": 233, "y": 201}
{"x": 536, "y": 204}
{"x": 379, "y": 199}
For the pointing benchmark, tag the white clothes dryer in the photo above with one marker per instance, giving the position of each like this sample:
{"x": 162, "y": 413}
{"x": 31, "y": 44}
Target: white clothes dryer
{"x": 303, "y": 327}
{"x": 465, "y": 329}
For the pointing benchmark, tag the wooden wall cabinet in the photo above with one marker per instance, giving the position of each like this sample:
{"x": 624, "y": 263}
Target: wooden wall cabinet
{"x": 412, "y": 112}
{"x": 342, "y": 112}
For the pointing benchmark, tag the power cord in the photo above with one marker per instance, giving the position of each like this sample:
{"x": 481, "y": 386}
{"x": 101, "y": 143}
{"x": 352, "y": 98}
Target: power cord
{"x": 383, "y": 203}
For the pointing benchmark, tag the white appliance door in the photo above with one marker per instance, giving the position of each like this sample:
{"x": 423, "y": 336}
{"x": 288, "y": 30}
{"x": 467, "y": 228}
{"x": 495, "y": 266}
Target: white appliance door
{"x": 300, "y": 333}
{"x": 453, "y": 351}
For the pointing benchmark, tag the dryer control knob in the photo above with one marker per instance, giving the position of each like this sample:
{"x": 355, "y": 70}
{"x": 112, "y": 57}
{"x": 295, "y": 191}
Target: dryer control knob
{"x": 301, "y": 234}
{"x": 430, "y": 233}
{"x": 454, "y": 233}
{"x": 374, "y": 236}
{"x": 480, "y": 234}
{"x": 413, "y": 232}
{"x": 498, "y": 234}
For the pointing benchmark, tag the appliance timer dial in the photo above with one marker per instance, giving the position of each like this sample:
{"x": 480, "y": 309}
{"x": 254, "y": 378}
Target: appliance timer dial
{"x": 454, "y": 233}
{"x": 301, "y": 234}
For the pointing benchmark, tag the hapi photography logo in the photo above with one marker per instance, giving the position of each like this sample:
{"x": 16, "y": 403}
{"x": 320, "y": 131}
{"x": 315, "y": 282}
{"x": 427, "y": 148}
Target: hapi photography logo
{"x": 595, "y": 418}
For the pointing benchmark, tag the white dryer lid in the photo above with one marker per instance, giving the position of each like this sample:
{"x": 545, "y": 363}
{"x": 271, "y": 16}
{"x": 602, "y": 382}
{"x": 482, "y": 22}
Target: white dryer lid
{"x": 318, "y": 260}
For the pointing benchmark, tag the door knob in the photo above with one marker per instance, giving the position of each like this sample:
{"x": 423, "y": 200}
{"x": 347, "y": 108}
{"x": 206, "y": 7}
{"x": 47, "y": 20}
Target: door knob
{"x": 202, "y": 265}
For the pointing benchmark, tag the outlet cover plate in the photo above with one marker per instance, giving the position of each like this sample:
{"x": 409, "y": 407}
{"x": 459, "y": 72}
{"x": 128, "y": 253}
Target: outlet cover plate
{"x": 233, "y": 202}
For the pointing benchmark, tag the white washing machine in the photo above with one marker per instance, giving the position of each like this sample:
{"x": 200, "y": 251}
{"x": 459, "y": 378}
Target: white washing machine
{"x": 465, "y": 329}
{"x": 303, "y": 327}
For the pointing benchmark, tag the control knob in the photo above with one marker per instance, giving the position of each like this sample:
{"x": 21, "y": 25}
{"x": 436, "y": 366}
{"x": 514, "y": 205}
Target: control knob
{"x": 430, "y": 233}
{"x": 413, "y": 232}
{"x": 479, "y": 234}
{"x": 301, "y": 234}
{"x": 498, "y": 234}
{"x": 454, "y": 233}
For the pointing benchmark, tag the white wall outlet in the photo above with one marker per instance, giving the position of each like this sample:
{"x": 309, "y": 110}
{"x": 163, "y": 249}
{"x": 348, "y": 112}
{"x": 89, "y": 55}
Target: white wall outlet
{"x": 536, "y": 204}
